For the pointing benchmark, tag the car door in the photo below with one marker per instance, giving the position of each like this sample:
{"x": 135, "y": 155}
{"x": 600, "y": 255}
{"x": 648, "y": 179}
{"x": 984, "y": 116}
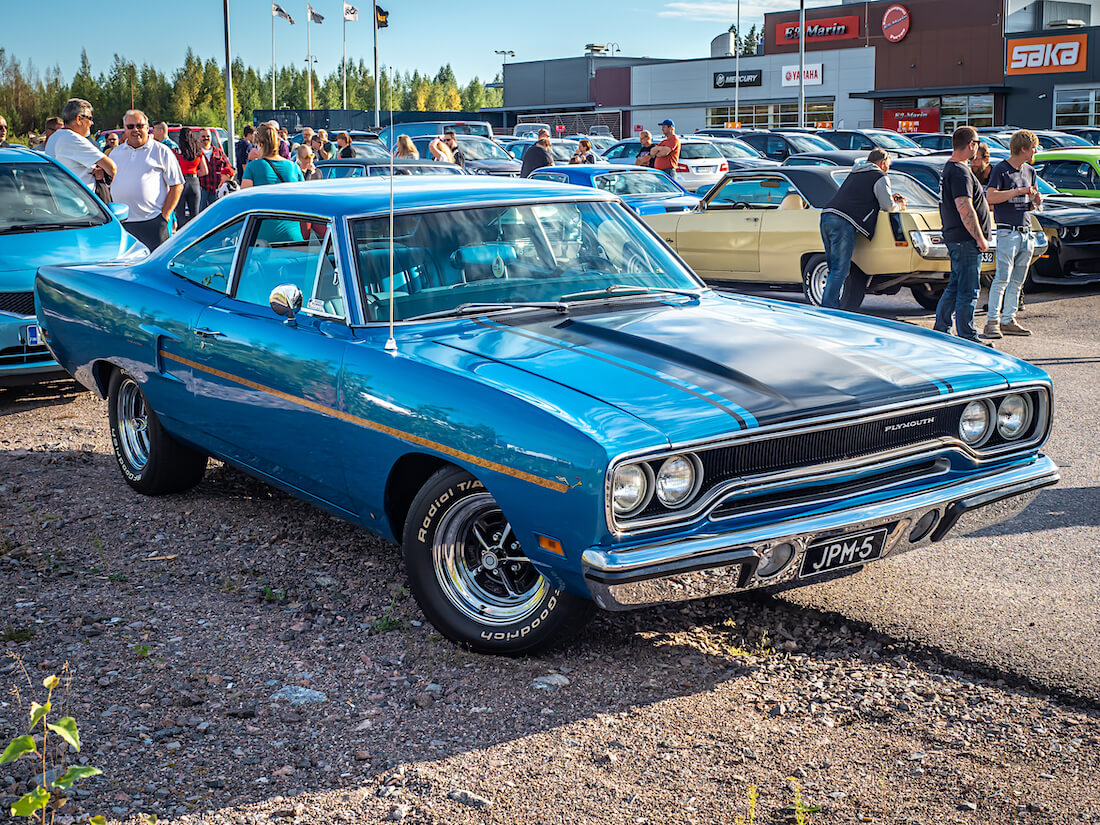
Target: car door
{"x": 723, "y": 241}
{"x": 267, "y": 386}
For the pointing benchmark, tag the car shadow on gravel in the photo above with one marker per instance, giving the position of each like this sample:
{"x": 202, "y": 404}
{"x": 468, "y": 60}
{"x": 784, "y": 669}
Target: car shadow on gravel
{"x": 185, "y": 618}
{"x": 41, "y": 395}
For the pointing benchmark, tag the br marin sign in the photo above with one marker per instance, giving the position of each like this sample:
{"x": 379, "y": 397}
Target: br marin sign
{"x": 829, "y": 28}
{"x": 727, "y": 80}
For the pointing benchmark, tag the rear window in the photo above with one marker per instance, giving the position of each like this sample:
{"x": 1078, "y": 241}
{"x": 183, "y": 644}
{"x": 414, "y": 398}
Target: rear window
{"x": 698, "y": 151}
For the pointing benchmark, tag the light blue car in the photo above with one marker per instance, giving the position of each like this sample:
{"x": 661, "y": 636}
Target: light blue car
{"x": 47, "y": 216}
{"x": 521, "y": 384}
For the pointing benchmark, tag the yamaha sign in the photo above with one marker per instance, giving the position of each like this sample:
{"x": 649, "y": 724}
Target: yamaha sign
{"x": 728, "y": 80}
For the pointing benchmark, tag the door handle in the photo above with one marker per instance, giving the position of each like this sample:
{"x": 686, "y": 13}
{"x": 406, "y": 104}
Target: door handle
{"x": 208, "y": 333}
{"x": 754, "y": 220}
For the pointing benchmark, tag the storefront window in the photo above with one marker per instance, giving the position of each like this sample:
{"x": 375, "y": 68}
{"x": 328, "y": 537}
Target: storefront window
{"x": 1076, "y": 107}
{"x": 928, "y": 103}
{"x": 965, "y": 110}
{"x": 769, "y": 115}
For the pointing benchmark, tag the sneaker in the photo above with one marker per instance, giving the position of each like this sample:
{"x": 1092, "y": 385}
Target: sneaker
{"x": 992, "y": 330}
{"x": 1013, "y": 328}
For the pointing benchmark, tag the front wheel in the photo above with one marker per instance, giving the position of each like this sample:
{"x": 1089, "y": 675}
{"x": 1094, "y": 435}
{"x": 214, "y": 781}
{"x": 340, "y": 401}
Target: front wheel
{"x": 927, "y": 295}
{"x": 815, "y": 274}
{"x": 471, "y": 578}
{"x": 151, "y": 461}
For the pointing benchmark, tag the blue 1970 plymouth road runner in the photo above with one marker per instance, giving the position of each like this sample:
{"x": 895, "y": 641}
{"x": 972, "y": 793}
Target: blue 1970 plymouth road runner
{"x": 563, "y": 415}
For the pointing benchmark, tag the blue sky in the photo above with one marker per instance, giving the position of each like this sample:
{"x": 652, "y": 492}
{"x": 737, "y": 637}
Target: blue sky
{"x": 423, "y": 34}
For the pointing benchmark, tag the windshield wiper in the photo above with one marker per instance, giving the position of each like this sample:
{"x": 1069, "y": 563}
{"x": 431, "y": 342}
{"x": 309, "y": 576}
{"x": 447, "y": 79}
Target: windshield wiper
{"x": 44, "y": 226}
{"x": 625, "y": 290}
{"x": 480, "y": 308}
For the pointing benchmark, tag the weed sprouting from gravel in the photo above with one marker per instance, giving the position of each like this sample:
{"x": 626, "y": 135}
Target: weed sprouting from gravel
{"x": 17, "y": 634}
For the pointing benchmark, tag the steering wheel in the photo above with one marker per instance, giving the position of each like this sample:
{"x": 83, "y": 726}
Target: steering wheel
{"x": 741, "y": 205}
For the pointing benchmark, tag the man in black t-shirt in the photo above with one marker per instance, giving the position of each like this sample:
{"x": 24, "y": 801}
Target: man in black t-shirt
{"x": 966, "y": 227}
{"x": 1013, "y": 193}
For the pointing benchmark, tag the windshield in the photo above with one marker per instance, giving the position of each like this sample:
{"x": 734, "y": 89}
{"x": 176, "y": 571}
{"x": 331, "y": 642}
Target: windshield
{"x": 735, "y": 149}
{"x": 563, "y": 149}
{"x": 475, "y": 149}
{"x": 39, "y": 196}
{"x": 1069, "y": 140}
{"x": 809, "y": 143}
{"x": 889, "y": 141}
{"x": 506, "y": 255}
{"x": 637, "y": 183}
{"x": 1044, "y": 187}
{"x": 696, "y": 151}
{"x": 901, "y": 184}
{"x": 372, "y": 150}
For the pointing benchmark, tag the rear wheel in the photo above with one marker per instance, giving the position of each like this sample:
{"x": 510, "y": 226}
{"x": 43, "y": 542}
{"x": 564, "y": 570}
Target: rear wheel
{"x": 815, "y": 274}
{"x": 471, "y": 578}
{"x": 151, "y": 461}
{"x": 927, "y": 295}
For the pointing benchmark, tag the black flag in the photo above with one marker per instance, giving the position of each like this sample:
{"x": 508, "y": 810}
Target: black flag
{"x": 381, "y": 17}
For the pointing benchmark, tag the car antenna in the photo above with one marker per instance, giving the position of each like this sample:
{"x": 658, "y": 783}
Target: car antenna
{"x": 391, "y": 342}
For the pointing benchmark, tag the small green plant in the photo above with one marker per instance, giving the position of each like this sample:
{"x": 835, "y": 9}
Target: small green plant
{"x": 17, "y": 634}
{"x": 752, "y": 797}
{"x": 50, "y": 794}
{"x": 118, "y": 577}
{"x": 274, "y": 596}
{"x": 141, "y": 651}
{"x": 387, "y": 621}
{"x": 799, "y": 809}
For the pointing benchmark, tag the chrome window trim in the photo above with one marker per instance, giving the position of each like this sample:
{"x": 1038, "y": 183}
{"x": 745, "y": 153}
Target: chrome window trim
{"x": 750, "y": 175}
{"x": 259, "y": 215}
{"x": 711, "y": 498}
{"x": 243, "y": 218}
{"x": 327, "y": 316}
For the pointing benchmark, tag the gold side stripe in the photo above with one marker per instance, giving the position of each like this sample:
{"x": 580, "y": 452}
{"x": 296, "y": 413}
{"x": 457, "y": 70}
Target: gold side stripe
{"x": 559, "y": 486}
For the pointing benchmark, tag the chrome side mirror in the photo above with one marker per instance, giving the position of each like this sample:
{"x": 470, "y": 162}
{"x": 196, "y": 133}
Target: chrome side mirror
{"x": 286, "y": 300}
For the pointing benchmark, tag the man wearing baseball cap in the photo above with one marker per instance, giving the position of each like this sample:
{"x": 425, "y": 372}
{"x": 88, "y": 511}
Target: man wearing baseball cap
{"x": 667, "y": 154}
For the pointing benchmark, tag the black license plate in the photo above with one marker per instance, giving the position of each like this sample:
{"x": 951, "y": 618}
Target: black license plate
{"x": 987, "y": 257}
{"x": 843, "y": 551}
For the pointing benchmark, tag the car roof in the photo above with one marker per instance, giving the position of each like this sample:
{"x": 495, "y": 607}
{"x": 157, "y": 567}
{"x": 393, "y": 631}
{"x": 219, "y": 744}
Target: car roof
{"x": 594, "y": 168}
{"x": 841, "y": 156}
{"x": 1089, "y": 152}
{"x": 375, "y": 162}
{"x": 816, "y": 182}
{"x": 358, "y": 196}
{"x": 22, "y": 154}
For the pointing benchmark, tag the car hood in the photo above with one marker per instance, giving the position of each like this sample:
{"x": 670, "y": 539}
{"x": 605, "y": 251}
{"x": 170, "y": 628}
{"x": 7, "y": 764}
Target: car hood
{"x": 495, "y": 165}
{"x": 1068, "y": 215}
{"x": 700, "y": 369}
{"x": 750, "y": 163}
{"x": 22, "y": 254}
{"x": 657, "y": 204}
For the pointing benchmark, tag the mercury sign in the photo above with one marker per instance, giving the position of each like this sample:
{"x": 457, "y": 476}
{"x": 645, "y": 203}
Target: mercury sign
{"x": 813, "y": 75}
{"x": 727, "y": 80}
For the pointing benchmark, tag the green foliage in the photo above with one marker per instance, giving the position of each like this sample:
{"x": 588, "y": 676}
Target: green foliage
{"x": 195, "y": 92}
{"x": 36, "y": 803}
{"x": 274, "y": 596}
{"x": 141, "y": 651}
{"x": 118, "y": 577}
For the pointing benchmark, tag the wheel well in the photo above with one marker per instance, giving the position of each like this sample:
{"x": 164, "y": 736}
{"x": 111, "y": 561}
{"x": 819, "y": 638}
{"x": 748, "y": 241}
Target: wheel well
{"x": 101, "y": 372}
{"x": 807, "y": 255}
{"x": 408, "y": 475}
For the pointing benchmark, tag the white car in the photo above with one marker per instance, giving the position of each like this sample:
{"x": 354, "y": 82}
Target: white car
{"x": 701, "y": 162}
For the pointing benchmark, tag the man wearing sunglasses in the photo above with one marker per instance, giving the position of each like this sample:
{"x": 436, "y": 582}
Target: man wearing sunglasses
{"x": 4, "y": 133}
{"x": 72, "y": 148}
{"x": 149, "y": 181}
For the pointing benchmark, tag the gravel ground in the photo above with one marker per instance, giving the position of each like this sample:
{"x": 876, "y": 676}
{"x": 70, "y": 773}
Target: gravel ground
{"x": 239, "y": 657}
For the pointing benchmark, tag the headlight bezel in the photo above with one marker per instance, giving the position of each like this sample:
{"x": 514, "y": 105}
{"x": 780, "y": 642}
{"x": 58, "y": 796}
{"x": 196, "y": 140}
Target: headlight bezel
{"x": 1028, "y": 416}
{"x": 647, "y": 494}
{"x": 986, "y": 405}
{"x": 696, "y": 482}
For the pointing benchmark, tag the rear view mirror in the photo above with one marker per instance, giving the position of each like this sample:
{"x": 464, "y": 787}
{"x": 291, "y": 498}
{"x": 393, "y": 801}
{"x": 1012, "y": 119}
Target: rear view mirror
{"x": 286, "y": 300}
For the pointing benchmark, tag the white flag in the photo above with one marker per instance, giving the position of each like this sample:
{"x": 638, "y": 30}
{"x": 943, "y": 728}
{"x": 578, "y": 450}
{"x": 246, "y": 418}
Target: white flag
{"x": 350, "y": 12}
{"x": 279, "y": 11}
{"x": 314, "y": 17}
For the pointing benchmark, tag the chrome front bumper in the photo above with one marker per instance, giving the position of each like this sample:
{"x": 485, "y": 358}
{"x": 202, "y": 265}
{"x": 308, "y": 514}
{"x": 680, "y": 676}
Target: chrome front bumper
{"x": 722, "y": 563}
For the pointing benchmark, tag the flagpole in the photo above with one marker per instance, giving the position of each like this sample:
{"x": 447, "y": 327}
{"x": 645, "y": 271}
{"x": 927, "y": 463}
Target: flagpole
{"x": 377, "y": 95}
{"x": 229, "y": 87}
{"x": 309, "y": 55}
{"x": 272, "y": 58}
{"x": 345, "y": 59}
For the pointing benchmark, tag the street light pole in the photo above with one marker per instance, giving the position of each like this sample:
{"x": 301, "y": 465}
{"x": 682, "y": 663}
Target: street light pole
{"x": 801, "y": 63}
{"x": 504, "y": 55}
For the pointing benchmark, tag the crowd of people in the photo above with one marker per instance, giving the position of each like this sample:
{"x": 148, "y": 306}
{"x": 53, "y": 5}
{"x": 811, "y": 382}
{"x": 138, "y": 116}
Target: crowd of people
{"x": 970, "y": 185}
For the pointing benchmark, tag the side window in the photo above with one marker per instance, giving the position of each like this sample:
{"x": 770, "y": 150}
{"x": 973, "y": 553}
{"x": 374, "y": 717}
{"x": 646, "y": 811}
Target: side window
{"x": 861, "y": 142}
{"x": 777, "y": 148}
{"x": 840, "y": 140}
{"x": 208, "y": 262}
{"x": 279, "y": 251}
{"x": 326, "y": 298}
{"x": 557, "y": 177}
{"x": 758, "y": 193}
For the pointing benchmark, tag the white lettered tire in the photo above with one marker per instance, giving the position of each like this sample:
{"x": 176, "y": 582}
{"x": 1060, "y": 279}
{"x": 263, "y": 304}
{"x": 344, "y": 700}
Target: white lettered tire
{"x": 471, "y": 578}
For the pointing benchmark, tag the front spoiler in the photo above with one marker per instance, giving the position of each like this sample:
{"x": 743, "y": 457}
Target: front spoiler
{"x": 725, "y": 563}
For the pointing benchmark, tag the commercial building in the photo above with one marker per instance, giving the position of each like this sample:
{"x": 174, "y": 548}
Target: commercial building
{"x": 917, "y": 65}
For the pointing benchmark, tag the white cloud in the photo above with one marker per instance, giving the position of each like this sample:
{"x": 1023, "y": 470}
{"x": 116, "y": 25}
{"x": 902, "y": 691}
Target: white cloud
{"x": 726, "y": 12}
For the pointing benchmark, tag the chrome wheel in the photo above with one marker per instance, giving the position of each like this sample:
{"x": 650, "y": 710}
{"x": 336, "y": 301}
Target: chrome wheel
{"x": 133, "y": 425}
{"x": 480, "y": 565}
{"x": 816, "y": 281}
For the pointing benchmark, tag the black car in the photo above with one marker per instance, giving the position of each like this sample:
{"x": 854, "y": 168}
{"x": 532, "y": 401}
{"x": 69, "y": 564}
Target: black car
{"x": 936, "y": 141}
{"x": 1089, "y": 133}
{"x": 1071, "y": 224}
{"x": 867, "y": 139}
{"x": 483, "y": 156}
{"x": 369, "y": 168}
{"x": 780, "y": 145}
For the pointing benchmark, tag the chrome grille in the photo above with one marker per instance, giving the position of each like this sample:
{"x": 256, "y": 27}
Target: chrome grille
{"x": 19, "y": 303}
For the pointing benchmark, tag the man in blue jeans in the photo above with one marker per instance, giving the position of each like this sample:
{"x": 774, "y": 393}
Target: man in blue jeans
{"x": 854, "y": 208}
{"x": 965, "y": 218}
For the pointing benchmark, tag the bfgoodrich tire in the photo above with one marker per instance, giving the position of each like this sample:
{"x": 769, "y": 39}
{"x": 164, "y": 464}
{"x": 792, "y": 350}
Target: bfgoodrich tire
{"x": 471, "y": 578}
{"x": 815, "y": 273}
{"x": 151, "y": 461}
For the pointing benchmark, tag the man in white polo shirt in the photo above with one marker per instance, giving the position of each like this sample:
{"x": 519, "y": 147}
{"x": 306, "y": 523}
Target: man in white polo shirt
{"x": 148, "y": 180}
{"x": 71, "y": 147}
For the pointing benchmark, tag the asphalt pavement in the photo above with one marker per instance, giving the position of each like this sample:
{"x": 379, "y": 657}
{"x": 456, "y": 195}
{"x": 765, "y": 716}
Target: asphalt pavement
{"x": 1022, "y": 598}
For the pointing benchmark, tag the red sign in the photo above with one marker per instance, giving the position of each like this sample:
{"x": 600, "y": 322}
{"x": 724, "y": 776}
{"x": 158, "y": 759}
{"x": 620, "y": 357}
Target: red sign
{"x": 817, "y": 31}
{"x": 560, "y": 127}
{"x": 895, "y": 23}
{"x": 911, "y": 120}
{"x": 637, "y": 127}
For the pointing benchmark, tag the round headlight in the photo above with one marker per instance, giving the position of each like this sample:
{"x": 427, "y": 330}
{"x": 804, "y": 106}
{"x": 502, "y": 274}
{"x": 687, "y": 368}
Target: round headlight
{"x": 974, "y": 424}
{"x": 629, "y": 489}
{"x": 1013, "y": 416}
{"x": 676, "y": 481}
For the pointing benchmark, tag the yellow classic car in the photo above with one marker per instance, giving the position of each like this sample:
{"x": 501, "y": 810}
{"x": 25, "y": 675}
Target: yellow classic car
{"x": 763, "y": 228}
